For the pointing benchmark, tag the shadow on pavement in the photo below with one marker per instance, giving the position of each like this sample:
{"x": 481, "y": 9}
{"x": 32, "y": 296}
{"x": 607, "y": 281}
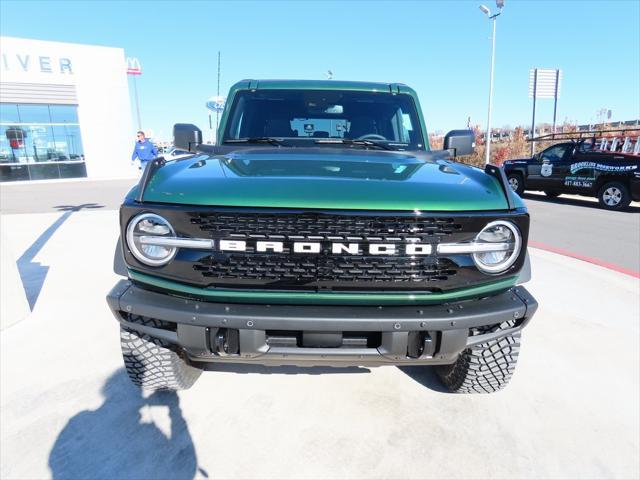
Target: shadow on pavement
{"x": 425, "y": 376}
{"x": 76, "y": 208}
{"x": 126, "y": 437}
{"x": 281, "y": 370}
{"x": 33, "y": 274}
{"x": 574, "y": 202}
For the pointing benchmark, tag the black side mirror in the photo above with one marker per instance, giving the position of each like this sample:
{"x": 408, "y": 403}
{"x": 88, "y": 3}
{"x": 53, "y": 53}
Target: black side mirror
{"x": 186, "y": 136}
{"x": 460, "y": 142}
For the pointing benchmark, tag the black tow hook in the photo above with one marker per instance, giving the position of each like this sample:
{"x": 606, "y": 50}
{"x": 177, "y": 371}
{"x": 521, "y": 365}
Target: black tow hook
{"x": 226, "y": 341}
{"x": 421, "y": 344}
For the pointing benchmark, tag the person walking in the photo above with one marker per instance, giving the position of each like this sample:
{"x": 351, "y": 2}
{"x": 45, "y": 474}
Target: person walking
{"x": 144, "y": 150}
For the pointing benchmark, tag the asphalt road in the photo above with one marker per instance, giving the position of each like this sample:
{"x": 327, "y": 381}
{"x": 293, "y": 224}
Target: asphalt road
{"x": 576, "y": 225}
{"x": 572, "y": 224}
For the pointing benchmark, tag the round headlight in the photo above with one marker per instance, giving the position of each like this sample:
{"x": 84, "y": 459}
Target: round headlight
{"x": 141, "y": 233}
{"x": 507, "y": 240}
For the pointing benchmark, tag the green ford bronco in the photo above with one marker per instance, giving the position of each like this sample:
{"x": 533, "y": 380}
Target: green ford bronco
{"x": 321, "y": 230}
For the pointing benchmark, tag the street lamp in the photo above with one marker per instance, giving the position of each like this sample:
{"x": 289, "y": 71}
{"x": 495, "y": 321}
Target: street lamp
{"x": 487, "y": 12}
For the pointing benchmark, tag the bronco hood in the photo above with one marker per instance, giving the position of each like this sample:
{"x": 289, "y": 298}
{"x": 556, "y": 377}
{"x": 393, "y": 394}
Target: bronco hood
{"x": 326, "y": 178}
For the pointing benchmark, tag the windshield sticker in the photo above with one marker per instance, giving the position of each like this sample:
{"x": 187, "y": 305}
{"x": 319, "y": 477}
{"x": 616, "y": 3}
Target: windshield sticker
{"x": 585, "y": 182}
{"x": 546, "y": 170}
{"x": 600, "y": 167}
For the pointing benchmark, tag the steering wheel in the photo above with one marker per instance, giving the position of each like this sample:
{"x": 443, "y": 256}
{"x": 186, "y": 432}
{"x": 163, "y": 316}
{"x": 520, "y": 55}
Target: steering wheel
{"x": 371, "y": 136}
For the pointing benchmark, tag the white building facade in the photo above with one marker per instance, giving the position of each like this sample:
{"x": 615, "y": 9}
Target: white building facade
{"x": 64, "y": 111}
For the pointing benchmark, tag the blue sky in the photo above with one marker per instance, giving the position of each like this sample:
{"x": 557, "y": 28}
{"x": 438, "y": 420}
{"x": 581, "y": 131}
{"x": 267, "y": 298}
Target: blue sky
{"x": 440, "y": 48}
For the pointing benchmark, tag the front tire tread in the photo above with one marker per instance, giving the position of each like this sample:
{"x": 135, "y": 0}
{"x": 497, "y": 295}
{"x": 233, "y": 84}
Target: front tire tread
{"x": 484, "y": 368}
{"x": 153, "y": 363}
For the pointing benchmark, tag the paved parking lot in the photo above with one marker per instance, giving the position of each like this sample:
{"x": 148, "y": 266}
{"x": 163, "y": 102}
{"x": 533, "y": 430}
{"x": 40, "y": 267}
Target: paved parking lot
{"x": 68, "y": 411}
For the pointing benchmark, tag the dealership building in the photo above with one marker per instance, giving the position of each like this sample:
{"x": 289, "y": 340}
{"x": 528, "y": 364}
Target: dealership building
{"x": 64, "y": 111}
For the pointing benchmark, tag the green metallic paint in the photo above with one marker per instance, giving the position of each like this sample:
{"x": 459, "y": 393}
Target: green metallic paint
{"x": 309, "y": 178}
{"x": 293, "y": 177}
{"x": 326, "y": 178}
{"x": 311, "y": 298}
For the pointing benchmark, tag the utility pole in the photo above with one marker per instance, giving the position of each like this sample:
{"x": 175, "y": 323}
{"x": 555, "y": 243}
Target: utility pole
{"x": 216, "y": 104}
{"x": 218, "y": 94}
{"x": 555, "y": 100}
{"x": 533, "y": 120}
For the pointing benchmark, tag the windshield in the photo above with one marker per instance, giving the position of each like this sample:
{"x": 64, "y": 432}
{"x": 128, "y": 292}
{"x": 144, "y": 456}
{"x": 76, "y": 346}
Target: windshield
{"x": 307, "y": 115}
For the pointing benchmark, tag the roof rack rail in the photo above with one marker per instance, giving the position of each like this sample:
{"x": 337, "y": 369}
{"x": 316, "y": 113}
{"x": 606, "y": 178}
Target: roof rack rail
{"x": 613, "y": 141}
{"x": 583, "y": 134}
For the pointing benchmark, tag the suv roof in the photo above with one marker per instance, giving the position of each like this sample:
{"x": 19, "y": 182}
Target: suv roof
{"x": 320, "y": 85}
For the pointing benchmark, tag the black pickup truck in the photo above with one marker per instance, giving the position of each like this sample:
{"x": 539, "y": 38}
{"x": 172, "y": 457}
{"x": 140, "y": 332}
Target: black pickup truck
{"x": 594, "y": 167}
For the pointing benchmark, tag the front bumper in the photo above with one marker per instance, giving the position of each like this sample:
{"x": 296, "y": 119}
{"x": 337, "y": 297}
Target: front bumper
{"x": 635, "y": 187}
{"x": 308, "y": 335}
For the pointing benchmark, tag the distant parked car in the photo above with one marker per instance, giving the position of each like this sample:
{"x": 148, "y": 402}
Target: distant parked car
{"x": 173, "y": 153}
{"x": 5, "y": 156}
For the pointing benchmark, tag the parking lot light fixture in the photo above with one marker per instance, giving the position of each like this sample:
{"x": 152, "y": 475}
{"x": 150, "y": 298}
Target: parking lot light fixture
{"x": 487, "y": 12}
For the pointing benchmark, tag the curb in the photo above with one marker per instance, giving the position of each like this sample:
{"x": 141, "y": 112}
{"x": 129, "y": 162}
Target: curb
{"x": 584, "y": 258}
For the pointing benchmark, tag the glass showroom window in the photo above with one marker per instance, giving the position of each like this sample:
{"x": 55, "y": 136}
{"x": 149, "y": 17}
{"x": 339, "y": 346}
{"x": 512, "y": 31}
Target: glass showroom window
{"x": 39, "y": 142}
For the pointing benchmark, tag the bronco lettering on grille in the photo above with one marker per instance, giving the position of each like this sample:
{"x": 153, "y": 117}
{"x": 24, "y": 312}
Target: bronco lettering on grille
{"x": 335, "y": 248}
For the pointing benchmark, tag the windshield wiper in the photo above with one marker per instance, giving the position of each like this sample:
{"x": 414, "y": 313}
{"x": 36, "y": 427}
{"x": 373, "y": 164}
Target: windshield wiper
{"x": 364, "y": 143}
{"x": 270, "y": 140}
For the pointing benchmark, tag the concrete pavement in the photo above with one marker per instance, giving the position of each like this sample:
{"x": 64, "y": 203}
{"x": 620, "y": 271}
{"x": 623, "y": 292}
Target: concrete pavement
{"x": 14, "y": 305}
{"x": 48, "y": 196}
{"x": 67, "y": 409}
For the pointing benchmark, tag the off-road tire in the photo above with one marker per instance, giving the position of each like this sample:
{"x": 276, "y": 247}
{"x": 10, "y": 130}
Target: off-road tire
{"x": 152, "y": 363}
{"x": 609, "y": 187}
{"x": 516, "y": 177}
{"x": 484, "y": 368}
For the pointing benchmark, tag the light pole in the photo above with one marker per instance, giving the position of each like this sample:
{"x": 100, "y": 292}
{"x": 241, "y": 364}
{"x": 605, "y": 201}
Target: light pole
{"x": 487, "y": 12}
{"x": 134, "y": 68}
{"x": 135, "y": 92}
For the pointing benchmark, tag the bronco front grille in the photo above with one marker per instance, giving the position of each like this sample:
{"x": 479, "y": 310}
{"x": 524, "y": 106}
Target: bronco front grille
{"x": 336, "y": 272}
{"x": 326, "y": 269}
{"x": 329, "y": 227}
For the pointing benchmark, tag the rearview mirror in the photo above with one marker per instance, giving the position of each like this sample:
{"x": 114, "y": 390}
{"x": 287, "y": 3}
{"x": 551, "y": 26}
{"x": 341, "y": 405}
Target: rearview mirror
{"x": 186, "y": 136}
{"x": 460, "y": 142}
